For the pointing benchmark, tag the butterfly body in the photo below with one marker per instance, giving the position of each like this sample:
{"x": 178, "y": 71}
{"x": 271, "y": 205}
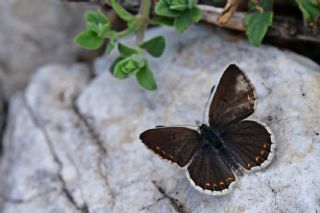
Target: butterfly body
{"x": 210, "y": 136}
{"x": 215, "y": 153}
{"x": 213, "y": 141}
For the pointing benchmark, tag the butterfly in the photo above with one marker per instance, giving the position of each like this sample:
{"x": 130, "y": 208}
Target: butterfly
{"x": 215, "y": 154}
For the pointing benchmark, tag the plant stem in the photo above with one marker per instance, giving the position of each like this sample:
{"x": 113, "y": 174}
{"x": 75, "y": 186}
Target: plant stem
{"x": 123, "y": 33}
{"x": 144, "y": 11}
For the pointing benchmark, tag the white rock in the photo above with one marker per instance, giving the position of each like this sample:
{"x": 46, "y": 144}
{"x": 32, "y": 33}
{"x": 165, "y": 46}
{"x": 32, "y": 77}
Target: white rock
{"x": 33, "y": 33}
{"x": 128, "y": 177}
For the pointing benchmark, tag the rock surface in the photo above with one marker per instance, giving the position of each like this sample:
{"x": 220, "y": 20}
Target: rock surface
{"x": 33, "y": 33}
{"x": 72, "y": 144}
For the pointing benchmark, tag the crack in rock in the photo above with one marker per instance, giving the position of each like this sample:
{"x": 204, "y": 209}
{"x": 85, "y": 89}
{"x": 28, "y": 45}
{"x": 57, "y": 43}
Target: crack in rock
{"x": 38, "y": 123}
{"x": 3, "y": 122}
{"x": 90, "y": 129}
{"x": 95, "y": 137}
{"x": 152, "y": 204}
{"x": 27, "y": 200}
{"x": 175, "y": 203}
{"x": 274, "y": 193}
{"x": 78, "y": 174}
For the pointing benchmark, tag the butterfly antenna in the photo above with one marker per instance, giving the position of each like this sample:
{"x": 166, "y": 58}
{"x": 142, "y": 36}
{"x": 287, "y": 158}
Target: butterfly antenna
{"x": 180, "y": 125}
{"x": 205, "y": 108}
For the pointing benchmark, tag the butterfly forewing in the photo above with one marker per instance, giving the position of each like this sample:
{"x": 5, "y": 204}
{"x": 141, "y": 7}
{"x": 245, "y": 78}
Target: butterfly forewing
{"x": 209, "y": 173}
{"x": 234, "y": 99}
{"x": 177, "y": 144}
{"x": 250, "y": 143}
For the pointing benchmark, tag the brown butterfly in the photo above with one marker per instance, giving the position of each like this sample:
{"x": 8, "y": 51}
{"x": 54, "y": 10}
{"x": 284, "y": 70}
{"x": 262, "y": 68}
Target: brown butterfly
{"x": 215, "y": 154}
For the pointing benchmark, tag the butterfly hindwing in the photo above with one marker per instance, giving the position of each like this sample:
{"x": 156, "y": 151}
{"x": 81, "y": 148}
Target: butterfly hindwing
{"x": 234, "y": 99}
{"x": 251, "y": 144}
{"x": 176, "y": 144}
{"x": 208, "y": 173}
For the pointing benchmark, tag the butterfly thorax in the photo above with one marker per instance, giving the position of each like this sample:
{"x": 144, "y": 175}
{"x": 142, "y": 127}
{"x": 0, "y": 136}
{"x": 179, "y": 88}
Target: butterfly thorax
{"x": 213, "y": 139}
{"x": 210, "y": 137}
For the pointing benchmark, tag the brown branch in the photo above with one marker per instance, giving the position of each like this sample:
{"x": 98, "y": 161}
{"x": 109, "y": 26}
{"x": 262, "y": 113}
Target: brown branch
{"x": 211, "y": 14}
{"x": 282, "y": 27}
{"x": 228, "y": 11}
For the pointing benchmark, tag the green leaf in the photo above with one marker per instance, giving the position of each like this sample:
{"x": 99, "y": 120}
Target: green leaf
{"x": 183, "y": 21}
{"x": 96, "y": 17}
{"x": 163, "y": 8}
{"x": 118, "y": 73}
{"x": 89, "y": 40}
{"x": 112, "y": 67}
{"x": 309, "y": 9}
{"x": 126, "y": 51}
{"x": 161, "y": 20}
{"x": 196, "y": 14}
{"x": 265, "y": 4}
{"x": 111, "y": 45}
{"x": 192, "y": 3}
{"x": 97, "y": 22}
{"x": 154, "y": 46}
{"x": 251, "y": 6}
{"x": 146, "y": 78}
{"x": 129, "y": 66}
{"x": 257, "y": 25}
{"x": 121, "y": 12}
{"x": 179, "y": 7}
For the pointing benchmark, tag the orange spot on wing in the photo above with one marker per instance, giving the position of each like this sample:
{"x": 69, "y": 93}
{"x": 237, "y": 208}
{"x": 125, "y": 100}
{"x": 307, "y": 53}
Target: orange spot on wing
{"x": 221, "y": 183}
{"x": 208, "y": 184}
{"x": 258, "y": 158}
{"x": 249, "y": 165}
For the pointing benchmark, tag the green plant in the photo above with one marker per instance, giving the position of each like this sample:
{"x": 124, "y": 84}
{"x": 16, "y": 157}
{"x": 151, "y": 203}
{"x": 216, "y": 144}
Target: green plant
{"x": 184, "y": 12}
{"x": 258, "y": 21}
{"x": 310, "y": 10}
{"x": 179, "y": 14}
{"x": 131, "y": 60}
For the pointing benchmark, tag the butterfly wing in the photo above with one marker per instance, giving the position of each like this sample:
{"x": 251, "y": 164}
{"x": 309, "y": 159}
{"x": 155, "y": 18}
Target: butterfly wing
{"x": 208, "y": 173}
{"x": 176, "y": 144}
{"x": 251, "y": 144}
{"x": 234, "y": 99}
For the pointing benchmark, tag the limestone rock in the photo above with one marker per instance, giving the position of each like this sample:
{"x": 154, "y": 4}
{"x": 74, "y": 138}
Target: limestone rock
{"x": 33, "y": 33}
{"x": 74, "y": 145}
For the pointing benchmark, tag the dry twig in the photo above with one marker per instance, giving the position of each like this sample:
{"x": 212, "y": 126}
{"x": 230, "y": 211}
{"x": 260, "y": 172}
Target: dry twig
{"x": 228, "y": 11}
